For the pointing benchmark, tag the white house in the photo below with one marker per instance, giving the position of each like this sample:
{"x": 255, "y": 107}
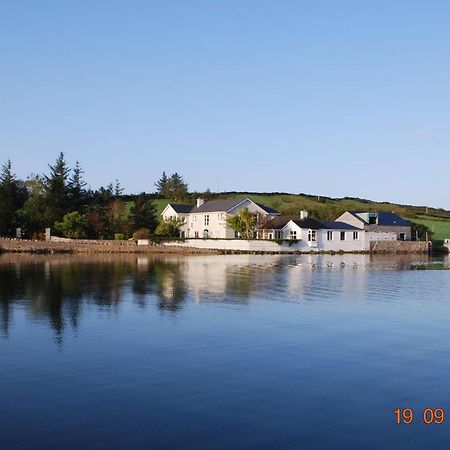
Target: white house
{"x": 208, "y": 219}
{"x": 315, "y": 235}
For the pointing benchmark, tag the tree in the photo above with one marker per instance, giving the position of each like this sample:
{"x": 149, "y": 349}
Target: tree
{"x": 178, "y": 188}
{"x": 77, "y": 192}
{"x": 74, "y": 225}
{"x": 57, "y": 190}
{"x": 143, "y": 213}
{"x": 243, "y": 222}
{"x": 420, "y": 232}
{"x": 173, "y": 187}
{"x": 32, "y": 214}
{"x": 169, "y": 228}
{"x": 162, "y": 186}
{"x": 13, "y": 195}
{"x": 118, "y": 189}
{"x": 116, "y": 216}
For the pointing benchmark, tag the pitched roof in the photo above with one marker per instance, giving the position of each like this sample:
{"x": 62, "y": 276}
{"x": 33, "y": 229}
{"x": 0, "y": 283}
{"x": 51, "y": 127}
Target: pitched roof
{"x": 226, "y": 205}
{"x": 339, "y": 225}
{"x": 276, "y": 223}
{"x": 383, "y": 218}
{"x": 216, "y": 205}
{"x": 266, "y": 208}
{"x": 312, "y": 224}
{"x": 181, "y": 209}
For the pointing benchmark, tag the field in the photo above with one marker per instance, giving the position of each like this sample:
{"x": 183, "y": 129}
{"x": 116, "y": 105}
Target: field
{"x": 440, "y": 228}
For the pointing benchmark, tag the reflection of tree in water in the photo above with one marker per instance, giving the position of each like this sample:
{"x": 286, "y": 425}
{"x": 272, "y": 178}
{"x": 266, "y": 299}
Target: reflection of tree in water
{"x": 57, "y": 288}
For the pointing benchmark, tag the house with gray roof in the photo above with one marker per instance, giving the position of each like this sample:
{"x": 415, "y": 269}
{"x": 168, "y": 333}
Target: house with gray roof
{"x": 315, "y": 235}
{"x": 208, "y": 219}
{"x": 379, "y": 222}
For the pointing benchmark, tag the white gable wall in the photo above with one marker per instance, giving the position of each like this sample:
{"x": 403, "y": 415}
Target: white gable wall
{"x": 351, "y": 220}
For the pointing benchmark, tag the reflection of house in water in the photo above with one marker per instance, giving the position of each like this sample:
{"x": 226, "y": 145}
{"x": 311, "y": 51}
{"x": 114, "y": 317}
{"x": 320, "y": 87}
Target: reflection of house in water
{"x": 57, "y": 290}
{"x": 227, "y": 275}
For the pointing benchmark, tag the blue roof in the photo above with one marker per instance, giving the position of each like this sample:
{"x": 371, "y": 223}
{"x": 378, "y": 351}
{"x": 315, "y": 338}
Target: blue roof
{"x": 384, "y": 218}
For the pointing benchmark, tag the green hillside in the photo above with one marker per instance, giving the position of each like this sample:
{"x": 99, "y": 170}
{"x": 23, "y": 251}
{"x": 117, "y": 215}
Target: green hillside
{"x": 440, "y": 228}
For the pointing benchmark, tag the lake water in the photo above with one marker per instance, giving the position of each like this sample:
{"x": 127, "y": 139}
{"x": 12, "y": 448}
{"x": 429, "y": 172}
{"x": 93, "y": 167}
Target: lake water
{"x": 222, "y": 352}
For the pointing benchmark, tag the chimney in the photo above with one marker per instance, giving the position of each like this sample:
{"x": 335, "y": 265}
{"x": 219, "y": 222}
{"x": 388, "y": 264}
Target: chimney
{"x": 303, "y": 214}
{"x": 200, "y": 202}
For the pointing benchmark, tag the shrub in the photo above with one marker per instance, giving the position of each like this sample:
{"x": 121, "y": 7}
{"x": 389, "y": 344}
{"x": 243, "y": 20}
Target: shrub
{"x": 73, "y": 225}
{"x": 119, "y": 236}
{"x": 142, "y": 233}
{"x": 169, "y": 228}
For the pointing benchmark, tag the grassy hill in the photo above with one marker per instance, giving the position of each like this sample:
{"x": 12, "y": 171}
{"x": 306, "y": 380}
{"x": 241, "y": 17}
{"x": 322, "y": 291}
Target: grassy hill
{"x": 327, "y": 208}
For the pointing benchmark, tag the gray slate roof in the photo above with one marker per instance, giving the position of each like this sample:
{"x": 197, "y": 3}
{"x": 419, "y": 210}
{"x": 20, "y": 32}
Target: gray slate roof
{"x": 339, "y": 225}
{"x": 181, "y": 209}
{"x": 226, "y": 205}
{"x": 385, "y": 218}
{"x": 216, "y": 205}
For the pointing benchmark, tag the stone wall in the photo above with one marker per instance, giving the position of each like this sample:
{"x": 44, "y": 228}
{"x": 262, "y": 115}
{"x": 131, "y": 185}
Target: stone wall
{"x": 88, "y": 246}
{"x": 400, "y": 246}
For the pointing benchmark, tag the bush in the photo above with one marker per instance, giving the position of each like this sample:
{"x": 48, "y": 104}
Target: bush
{"x": 119, "y": 236}
{"x": 169, "y": 228}
{"x": 142, "y": 233}
{"x": 73, "y": 225}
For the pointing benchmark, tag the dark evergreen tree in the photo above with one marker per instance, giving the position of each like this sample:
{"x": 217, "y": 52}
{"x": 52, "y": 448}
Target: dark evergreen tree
{"x": 178, "y": 187}
{"x": 13, "y": 194}
{"x": 77, "y": 191}
{"x": 162, "y": 186}
{"x": 118, "y": 189}
{"x": 143, "y": 213}
{"x": 57, "y": 191}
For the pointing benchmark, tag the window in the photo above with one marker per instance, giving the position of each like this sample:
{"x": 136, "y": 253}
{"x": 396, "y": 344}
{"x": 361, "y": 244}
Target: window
{"x": 196, "y": 234}
{"x": 293, "y": 234}
{"x": 342, "y": 235}
{"x": 329, "y": 235}
{"x": 355, "y": 235}
{"x": 312, "y": 235}
{"x": 402, "y": 236}
{"x": 194, "y": 219}
{"x": 206, "y": 220}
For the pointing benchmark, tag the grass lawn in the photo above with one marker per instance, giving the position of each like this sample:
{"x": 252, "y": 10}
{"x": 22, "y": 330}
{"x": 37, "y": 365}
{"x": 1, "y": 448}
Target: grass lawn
{"x": 440, "y": 227}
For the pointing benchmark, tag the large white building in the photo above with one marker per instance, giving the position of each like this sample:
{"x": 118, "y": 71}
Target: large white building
{"x": 208, "y": 219}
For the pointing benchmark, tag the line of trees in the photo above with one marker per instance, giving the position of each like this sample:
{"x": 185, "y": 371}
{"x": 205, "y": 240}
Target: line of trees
{"x": 62, "y": 201}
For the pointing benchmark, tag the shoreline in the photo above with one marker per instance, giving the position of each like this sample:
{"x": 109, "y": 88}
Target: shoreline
{"x": 16, "y": 246}
{"x": 95, "y": 247}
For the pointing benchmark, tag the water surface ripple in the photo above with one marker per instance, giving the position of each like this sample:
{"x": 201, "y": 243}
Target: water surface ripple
{"x": 220, "y": 352}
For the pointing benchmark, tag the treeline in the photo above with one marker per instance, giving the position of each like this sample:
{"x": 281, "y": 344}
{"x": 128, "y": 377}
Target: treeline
{"x": 61, "y": 200}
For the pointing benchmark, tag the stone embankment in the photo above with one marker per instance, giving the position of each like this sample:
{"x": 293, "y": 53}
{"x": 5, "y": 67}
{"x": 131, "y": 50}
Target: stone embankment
{"x": 90, "y": 246}
{"x": 397, "y": 247}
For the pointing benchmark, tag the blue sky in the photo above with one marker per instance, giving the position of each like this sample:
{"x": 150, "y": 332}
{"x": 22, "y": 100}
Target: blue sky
{"x": 323, "y": 97}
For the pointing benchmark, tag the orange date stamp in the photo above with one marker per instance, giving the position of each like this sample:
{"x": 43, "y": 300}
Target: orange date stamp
{"x": 428, "y": 416}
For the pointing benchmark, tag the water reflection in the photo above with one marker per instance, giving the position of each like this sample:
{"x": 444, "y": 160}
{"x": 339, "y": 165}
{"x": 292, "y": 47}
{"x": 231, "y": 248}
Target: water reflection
{"x": 56, "y": 289}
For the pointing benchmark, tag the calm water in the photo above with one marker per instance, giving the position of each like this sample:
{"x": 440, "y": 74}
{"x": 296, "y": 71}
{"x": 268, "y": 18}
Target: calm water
{"x": 222, "y": 352}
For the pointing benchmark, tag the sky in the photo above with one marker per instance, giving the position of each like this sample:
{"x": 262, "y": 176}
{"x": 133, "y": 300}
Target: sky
{"x": 332, "y": 98}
